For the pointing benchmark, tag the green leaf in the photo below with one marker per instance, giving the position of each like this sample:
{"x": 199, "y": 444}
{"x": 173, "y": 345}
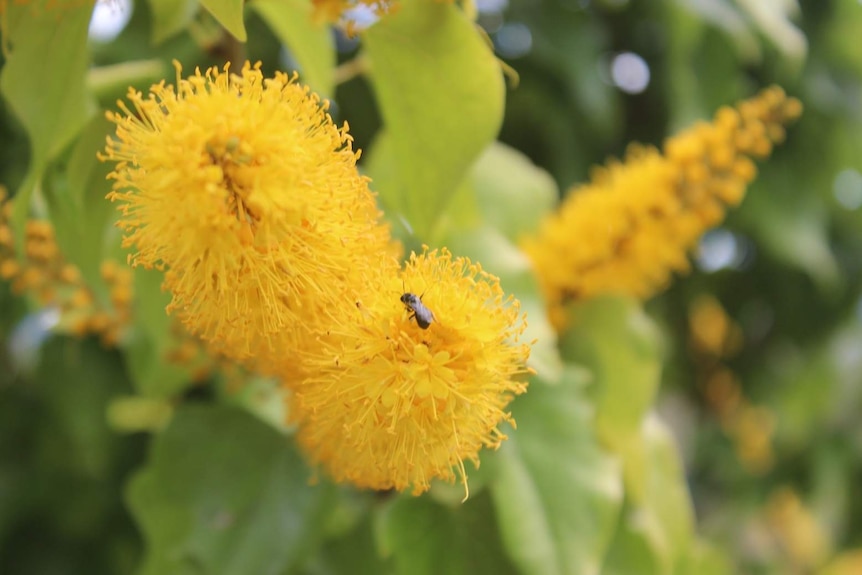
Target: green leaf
{"x": 658, "y": 493}
{"x": 795, "y": 230}
{"x": 513, "y": 194}
{"x": 311, "y": 44}
{"x": 111, "y": 82}
{"x": 229, "y": 14}
{"x": 632, "y": 551}
{"x": 44, "y": 82}
{"x": 77, "y": 205}
{"x": 223, "y": 493}
{"x": 504, "y": 190}
{"x": 441, "y": 96}
{"x": 78, "y": 378}
{"x": 616, "y": 340}
{"x": 170, "y": 17}
{"x": 774, "y": 21}
{"x": 557, "y": 494}
{"x": 705, "y": 559}
{"x": 354, "y": 553}
{"x": 150, "y": 339}
{"x": 656, "y": 531}
{"x": 424, "y": 537}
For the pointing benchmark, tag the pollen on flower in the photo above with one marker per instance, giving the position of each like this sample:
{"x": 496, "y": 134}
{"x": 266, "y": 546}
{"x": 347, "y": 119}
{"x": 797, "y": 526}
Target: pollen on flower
{"x": 631, "y": 228}
{"x": 246, "y": 194}
{"x": 392, "y": 405}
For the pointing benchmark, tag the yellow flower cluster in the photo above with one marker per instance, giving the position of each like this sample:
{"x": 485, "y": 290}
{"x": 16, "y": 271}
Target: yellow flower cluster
{"x": 247, "y": 195}
{"x": 243, "y": 191}
{"x": 714, "y": 338}
{"x": 44, "y": 273}
{"x": 633, "y": 225}
{"x": 390, "y": 405}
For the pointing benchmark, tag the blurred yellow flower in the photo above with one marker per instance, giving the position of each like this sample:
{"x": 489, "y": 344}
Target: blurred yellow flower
{"x": 714, "y": 334}
{"x": 799, "y": 532}
{"x": 246, "y": 194}
{"x": 633, "y": 225}
{"x": 42, "y": 272}
{"x": 391, "y": 404}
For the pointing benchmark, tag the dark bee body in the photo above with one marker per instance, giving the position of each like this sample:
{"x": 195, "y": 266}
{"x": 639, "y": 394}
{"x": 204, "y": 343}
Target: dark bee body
{"x": 423, "y": 315}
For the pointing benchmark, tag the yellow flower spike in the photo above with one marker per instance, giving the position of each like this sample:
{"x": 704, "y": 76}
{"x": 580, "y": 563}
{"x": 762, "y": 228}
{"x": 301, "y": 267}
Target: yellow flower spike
{"x": 390, "y": 405}
{"x": 631, "y": 228}
{"x": 243, "y": 190}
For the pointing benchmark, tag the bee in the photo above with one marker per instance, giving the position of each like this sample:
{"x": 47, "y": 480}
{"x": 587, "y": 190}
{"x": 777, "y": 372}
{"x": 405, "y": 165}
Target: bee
{"x": 413, "y": 303}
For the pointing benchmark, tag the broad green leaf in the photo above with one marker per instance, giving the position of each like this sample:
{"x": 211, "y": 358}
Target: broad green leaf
{"x": 795, "y": 230}
{"x": 79, "y": 378}
{"x": 500, "y": 257}
{"x": 44, "y": 83}
{"x": 504, "y": 190}
{"x": 61, "y": 467}
{"x": 424, "y": 537}
{"x": 705, "y": 559}
{"x": 658, "y": 494}
{"x": 111, "y": 83}
{"x": 632, "y": 552}
{"x": 229, "y": 15}
{"x": 715, "y": 33}
{"x": 354, "y": 553}
{"x": 616, "y": 340}
{"x": 774, "y": 21}
{"x": 441, "y": 95}
{"x": 656, "y": 530}
{"x": 223, "y": 493}
{"x": 557, "y": 494}
{"x": 170, "y": 17}
{"x": 310, "y": 43}
{"x": 513, "y": 194}
{"x": 151, "y": 337}
{"x": 77, "y": 205}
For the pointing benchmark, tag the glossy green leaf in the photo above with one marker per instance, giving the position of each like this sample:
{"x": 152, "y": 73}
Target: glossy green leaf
{"x": 229, "y": 14}
{"x": 557, "y": 494}
{"x": 513, "y": 194}
{"x": 775, "y": 20}
{"x": 170, "y": 17}
{"x": 705, "y": 559}
{"x": 311, "y": 43}
{"x": 77, "y": 205}
{"x": 151, "y": 337}
{"x": 632, "y": 551}
{"x": 111, "y": 83}
{"x": 44, "y": 82}
{"x": 658, "y": 494}
{"x": 441, "y": 95}
{"x": 655, "y": 533}
{"x": 223, "y": 493}
{"x": 79, "y": 378}
{"x": 794, "y": 230}
{"x": 424, "y": 537}
{"x": 504, "y": 190}
{"x": 354, "y": 552}
{"x": 616, "y": 340}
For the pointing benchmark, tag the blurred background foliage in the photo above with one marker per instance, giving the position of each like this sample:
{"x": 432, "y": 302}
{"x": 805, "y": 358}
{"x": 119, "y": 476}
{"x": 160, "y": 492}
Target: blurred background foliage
{"x": 753, "y": 362}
